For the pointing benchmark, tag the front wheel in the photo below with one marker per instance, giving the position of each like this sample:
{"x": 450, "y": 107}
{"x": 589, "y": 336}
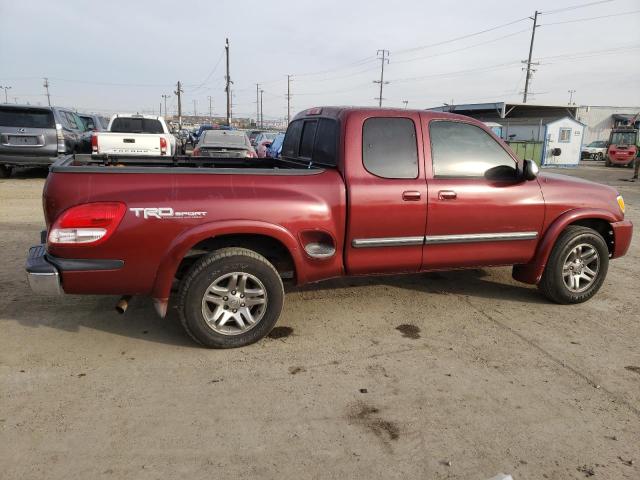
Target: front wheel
{"x": 230, "y": 298}
{"x": 597, "y": 157}
{"x": 577, "y": 266}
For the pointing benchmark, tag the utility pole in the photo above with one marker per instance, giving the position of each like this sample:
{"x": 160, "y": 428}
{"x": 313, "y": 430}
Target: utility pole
{"x": 210, "y": 109}
{"x": 46, "y": 86}
{"x": 165, "y": 104}
{"x": 529, "y": 71}
{"x": 229, "y": 82}
{"x": 406, "y": 102}
{"x": 261, "y": 111}
{"x": 288, "y": 99}
{"x": 571, "y": 92}
{"x": 257, "y": 103}
{"x": 195, "y": 114}
{"x": 383, "y": 55}
{"x": 178, "y": 92}
{"x": 5, "y": 93}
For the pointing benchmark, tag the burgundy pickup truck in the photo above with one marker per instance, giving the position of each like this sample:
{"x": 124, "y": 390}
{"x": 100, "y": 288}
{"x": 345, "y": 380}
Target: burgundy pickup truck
{"x": 358, "y": 191}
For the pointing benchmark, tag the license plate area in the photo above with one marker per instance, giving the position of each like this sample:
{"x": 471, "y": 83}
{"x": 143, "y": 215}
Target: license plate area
{"x": 129, "y": 140}
{"x": 23, "y": 140}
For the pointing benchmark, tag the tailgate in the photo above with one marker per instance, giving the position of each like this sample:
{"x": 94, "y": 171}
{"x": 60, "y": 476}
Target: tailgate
{"x": 129, "y": 143}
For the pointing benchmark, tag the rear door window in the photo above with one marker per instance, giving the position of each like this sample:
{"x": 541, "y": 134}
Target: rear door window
{"x": 389, "y": 147}
{"x": 136, "y": 125}
{"x": 26, "y": 118}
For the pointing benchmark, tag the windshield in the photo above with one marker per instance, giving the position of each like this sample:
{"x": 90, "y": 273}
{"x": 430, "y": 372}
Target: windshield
{"x": 26, "y": 117}
{"x": 598, "y": 144}
{"x": 623, "y": 138}
{"x": 224, "y": 138}
{"x": 136, "y": 125}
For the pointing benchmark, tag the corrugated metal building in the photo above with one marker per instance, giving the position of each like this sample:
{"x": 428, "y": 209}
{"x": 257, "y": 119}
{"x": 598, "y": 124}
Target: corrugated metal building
{"x": 525, "y": 121}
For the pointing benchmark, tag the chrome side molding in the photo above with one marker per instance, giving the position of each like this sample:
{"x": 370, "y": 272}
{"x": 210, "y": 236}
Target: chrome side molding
{"x": 442, "y": 239}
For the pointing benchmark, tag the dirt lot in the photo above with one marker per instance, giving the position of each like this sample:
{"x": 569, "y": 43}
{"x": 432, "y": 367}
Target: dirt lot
{"x": 484, "y": 377}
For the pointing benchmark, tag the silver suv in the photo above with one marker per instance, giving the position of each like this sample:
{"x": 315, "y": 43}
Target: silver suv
{"x": 37, "y": 136}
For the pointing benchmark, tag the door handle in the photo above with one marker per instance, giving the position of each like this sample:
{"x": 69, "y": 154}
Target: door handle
{"x": 411, "y": 196}
{"x": 447, "y": 195}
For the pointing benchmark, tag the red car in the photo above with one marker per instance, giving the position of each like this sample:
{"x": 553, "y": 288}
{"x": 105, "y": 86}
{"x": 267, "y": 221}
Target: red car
{"x": 357, "y": 191}
{"x": 622, "y": 148}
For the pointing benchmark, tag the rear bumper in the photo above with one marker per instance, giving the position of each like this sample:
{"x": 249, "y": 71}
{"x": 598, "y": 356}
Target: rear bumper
{"x": 44, "y": 272}
{"x": 43, "y": 277}
{"x": 17, "y": 160}
{"x": 621, "y": 159}
{"x": 622, "y": 233}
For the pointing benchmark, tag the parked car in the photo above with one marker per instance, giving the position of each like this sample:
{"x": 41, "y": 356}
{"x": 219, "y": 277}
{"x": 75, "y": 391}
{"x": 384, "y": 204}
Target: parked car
{"x": 142, "y": 135}
{"x": 595, "y": 150}
{"x": 92, "y": 123}
{"x": 263, "y": 141}
{"x": 275, "y": 148}
{"x": 33, "y": 136}
{"x": 358, "y": 191}
{"x": 224, "y": 144}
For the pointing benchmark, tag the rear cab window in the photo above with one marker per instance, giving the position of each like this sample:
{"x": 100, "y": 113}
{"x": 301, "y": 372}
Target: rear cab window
{"x": 136, "y": 125}
{"x": 312, "y": 141}
{"x": 26, "y": 118}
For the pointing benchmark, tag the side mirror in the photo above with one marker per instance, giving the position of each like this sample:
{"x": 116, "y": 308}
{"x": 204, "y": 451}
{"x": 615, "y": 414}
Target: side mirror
{"x": 530, "y": 170}
{"x": 556, "y": 152}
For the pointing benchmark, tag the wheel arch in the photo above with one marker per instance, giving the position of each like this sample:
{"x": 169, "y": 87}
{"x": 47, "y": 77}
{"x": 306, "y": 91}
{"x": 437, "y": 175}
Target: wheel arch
{"x": 596, "y": 219}
{"x": 237, "y": 233}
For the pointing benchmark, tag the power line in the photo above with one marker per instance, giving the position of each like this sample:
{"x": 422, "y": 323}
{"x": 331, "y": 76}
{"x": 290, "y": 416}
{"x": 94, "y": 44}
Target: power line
{"x": 575, "y": 7}
{"x": 210, "y": 74}
{"x": 632, "y": 12}
{"x": 462, "y": 37}
{"x": 461, "y": 49}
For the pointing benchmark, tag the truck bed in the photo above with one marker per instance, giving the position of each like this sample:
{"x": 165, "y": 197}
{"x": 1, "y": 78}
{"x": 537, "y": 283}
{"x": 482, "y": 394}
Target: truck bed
{"x": 84, "y": 163}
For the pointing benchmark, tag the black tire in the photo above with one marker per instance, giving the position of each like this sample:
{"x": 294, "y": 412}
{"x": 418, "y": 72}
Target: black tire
{"x": 207, "y": 270}
{"x": 552, "y": 284}
{"x": 607, "y": 162}
{"x": 598, "y": 157}
{"x": 5, "y": 171}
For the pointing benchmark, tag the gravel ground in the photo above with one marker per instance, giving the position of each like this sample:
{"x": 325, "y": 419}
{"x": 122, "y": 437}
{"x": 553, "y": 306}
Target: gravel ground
{"x": 432, "y": 376}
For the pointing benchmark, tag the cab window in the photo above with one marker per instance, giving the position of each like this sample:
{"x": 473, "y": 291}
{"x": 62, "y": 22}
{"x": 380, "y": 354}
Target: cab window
{"x": 389, "y": 147}
{"x": 463, "y": 150}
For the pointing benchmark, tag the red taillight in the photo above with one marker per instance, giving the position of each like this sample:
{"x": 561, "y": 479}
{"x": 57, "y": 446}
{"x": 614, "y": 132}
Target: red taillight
{"x": 87, "y": 224}
{"x": 196, "y": 152}
{"x": 94, "y": 143}
{"x": 163, "y": 146}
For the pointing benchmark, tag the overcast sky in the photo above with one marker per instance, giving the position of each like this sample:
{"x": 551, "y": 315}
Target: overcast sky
{"x": 123, "y": 55}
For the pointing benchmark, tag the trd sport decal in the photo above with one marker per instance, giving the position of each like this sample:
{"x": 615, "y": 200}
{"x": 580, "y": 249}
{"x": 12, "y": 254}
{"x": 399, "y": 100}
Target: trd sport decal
{"x": 164, "y": 212}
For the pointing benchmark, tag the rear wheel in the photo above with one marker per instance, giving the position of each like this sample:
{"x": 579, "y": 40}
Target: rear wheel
{"x": 230, "y": 298}
{"x": 577, "y": 266}
{"x": 607, "y": 162}
{"x": 597, "y": 156}
{"x": 5, "y": 171}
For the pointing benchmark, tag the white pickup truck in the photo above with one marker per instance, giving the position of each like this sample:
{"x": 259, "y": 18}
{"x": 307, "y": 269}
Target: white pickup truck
{"x": 144, "y": 135}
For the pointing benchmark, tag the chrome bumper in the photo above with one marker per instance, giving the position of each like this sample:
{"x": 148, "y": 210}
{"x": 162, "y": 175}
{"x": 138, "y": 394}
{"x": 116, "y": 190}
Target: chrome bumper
{"x": 43, "y": 277}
